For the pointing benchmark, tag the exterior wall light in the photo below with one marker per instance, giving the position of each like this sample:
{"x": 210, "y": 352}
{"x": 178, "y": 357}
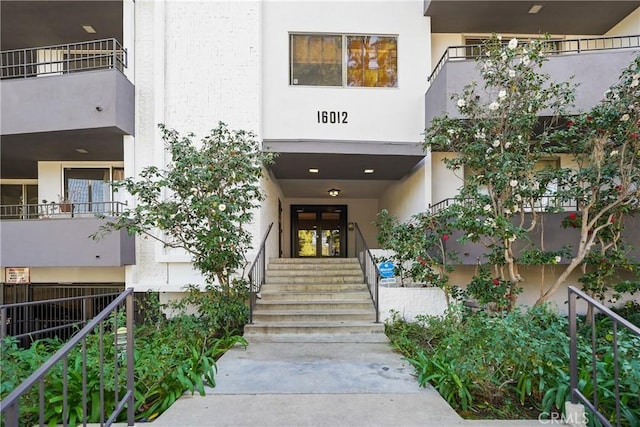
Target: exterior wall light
{"x": 334, "y": 192}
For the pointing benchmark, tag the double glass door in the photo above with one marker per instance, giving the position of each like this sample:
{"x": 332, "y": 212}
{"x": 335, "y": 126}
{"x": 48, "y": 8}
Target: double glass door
{"x": 319, "y": 231}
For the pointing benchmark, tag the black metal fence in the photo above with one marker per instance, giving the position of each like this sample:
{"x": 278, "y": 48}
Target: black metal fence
{"x": 112, "y": 328}
{"x": 369, "y": 268}
{"x": 617, "y": 320}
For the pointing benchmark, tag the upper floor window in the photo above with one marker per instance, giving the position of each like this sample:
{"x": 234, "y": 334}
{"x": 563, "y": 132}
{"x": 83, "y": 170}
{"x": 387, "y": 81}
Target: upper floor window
{"x": 343, "y": 60}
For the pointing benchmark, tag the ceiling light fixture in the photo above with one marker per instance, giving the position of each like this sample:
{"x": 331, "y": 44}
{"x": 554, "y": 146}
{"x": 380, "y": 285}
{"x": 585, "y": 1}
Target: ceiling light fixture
{"x": 82, "y": 151}
{"x": 89, "y": 29}
{"x": 535, "y": 9}
{"x": 314, "y": 170}
{"x": 334, "y": 192}
{"x": 368, "y": 171}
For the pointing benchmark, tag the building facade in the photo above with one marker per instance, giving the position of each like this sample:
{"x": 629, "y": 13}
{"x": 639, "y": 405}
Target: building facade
{"x": 342, "y": 90}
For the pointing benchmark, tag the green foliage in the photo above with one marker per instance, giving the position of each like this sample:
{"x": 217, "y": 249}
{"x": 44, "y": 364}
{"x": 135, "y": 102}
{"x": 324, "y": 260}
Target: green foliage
{"x": 516, "y": 364}
{"x": 491, "y": 291}
{"x": 419, "y": 248}
{"x": 202, "y": 202}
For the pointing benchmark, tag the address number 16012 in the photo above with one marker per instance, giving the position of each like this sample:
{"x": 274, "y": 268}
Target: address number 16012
{"x": 332, "y": 117}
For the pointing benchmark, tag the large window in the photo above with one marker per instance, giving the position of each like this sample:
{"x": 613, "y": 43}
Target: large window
{"x": 90, "y": 188}
{"x": 343, "y": 60}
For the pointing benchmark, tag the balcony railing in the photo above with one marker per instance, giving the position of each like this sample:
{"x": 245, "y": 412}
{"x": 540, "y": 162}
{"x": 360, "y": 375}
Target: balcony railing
{"x": 63, "y": 59}
{"x": 542, "y": 204}
{"x": 551, "y": 47}
{"x": 60, "y": 210}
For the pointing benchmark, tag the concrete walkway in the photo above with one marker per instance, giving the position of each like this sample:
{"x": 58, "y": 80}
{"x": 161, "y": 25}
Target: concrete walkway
{"x": 316, "y": 384}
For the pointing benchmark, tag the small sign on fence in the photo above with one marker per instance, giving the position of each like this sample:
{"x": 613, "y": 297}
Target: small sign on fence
{"x": 17, "y": 275}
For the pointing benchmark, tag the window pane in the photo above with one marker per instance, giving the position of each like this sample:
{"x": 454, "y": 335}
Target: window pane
{"x": 316, "y": 60}
{"x": 372, "y": 61}
{"x": 87, "y": 188}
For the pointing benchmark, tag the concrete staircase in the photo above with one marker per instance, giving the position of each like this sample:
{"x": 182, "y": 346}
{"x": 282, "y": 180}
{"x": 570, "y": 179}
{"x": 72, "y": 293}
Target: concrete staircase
{"x": 314, "y": 300}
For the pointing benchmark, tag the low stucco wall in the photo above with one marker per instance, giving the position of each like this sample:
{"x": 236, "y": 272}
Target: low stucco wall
{"x": 410, "y": 302}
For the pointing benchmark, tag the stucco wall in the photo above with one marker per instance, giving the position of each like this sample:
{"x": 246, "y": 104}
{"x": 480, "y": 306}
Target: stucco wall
{"x": 628, "y": 26}
{"x": 409, "y": 195}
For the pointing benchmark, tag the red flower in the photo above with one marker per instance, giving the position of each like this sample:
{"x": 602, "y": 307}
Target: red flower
{"x": 589, "y": 118}
{"x": 496, "y": 282}
{"x": 573, "y": 215}
{"x": 445, "y": 237}
{"x": 634, "y": 135}
{"x": 570, "y": 123}
{"x": 619, "y": 187}
{"x": 613, "y": 219}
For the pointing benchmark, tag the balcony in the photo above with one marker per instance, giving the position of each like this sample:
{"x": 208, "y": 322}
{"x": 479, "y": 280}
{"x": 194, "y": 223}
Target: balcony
{"x": 555, "y": 236}
{"x": 595, "y": 63}
{"x": 78, "y": 86}
{"x": 54, "y": 235}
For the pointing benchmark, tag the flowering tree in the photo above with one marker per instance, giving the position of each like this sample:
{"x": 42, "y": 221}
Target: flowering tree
{"x": 202, "y": 202}
{"x": 605, "y": 184}
{"x": 497, "y": 144}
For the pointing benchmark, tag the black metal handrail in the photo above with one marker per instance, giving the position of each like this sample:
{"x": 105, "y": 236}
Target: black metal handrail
{"x": 63, "y": 59}
{"x": 576, "y": 395}
{"x": 556, "y": 47}
{"x": 257, "y": 274}
{"x": 10, "y": 405}
{"x": 369, "y": 269}
{"x": 60, "y": 209}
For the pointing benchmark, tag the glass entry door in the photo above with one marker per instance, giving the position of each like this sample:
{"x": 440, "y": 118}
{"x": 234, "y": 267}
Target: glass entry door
{"x": 319, "y": 231}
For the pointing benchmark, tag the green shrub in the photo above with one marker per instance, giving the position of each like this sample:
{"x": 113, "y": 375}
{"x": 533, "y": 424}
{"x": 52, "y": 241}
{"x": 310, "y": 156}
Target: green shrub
{"x": 516, "y": 365}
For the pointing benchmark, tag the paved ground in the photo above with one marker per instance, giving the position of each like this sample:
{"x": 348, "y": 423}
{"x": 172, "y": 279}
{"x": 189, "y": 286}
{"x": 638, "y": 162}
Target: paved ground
{"x": 317, "y": 384}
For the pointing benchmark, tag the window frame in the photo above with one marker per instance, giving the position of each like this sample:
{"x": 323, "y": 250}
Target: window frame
{"x": 344, "y": 59}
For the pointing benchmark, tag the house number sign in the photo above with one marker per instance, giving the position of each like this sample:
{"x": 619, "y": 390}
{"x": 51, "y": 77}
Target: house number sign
{"x": 332, "y": 117}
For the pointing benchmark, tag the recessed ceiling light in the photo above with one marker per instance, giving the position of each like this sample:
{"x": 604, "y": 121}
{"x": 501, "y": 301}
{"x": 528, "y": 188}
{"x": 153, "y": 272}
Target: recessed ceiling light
{"x": 368, "y": 171}
{"x": 89, "y": 29}
{"x": 314, "y": 170}
{"x": 82, "y": 151}
{"x": 535, "y": 9}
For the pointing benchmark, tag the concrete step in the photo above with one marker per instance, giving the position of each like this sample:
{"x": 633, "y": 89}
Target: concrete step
{"x": 318, "y": 327}
{"x": 311, "y": 260}
{"x": 314, "y": 287}
{"x": 335, "y": 315}
{"x": 323, "y": 272}
{"x": 317, "y": 338}
{"x": 267, "y": 295}
{"x": 315, "y": 266}
{"x": 354, "y": 304}
{"x": 348, "y": 279}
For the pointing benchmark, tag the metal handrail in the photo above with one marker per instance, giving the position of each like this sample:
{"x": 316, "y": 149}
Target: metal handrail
{"x": 555, "y": 47}
{"x": 576, "y": 395}
{"x": 57, "y": 210}
{"x": 63, "y": 59}
{"x": 257, "y": 273}
{"x": 369, "y": 269}
{"x": 9, "y": 406}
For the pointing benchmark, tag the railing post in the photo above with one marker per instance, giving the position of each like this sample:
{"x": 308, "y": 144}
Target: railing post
{"x": 3, "y": 326}
{"x": 573, "y": 345}
{"x": 130, "y": 359}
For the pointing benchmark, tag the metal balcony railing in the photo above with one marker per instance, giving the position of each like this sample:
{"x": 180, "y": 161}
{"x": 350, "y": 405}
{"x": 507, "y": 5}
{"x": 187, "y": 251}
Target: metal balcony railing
{"x": 541, "y": 204}
{"x": 63, "y": 59}
{"x": 60, "y": 210}
{"x": 551, "y": 47}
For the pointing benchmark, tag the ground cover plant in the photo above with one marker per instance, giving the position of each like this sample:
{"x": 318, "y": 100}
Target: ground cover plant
{"x": 172, "y": 356}
{"x": 515, "y": 365}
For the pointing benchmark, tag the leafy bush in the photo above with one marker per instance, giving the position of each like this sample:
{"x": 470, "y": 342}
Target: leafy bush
{"x": 516, "y": 364}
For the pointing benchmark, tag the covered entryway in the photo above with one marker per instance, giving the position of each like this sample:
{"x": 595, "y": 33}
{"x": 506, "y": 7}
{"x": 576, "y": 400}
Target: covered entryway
{"x": 319, "y": 231}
